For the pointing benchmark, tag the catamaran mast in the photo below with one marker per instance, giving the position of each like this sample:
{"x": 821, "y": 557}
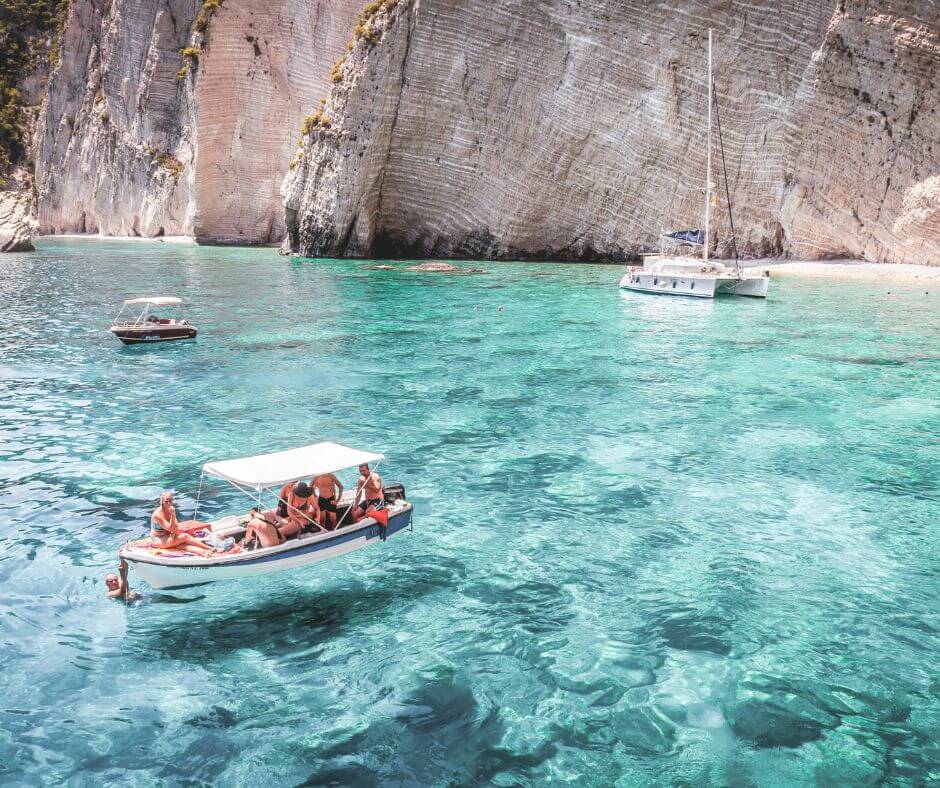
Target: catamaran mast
{"x": 708, "y": 166}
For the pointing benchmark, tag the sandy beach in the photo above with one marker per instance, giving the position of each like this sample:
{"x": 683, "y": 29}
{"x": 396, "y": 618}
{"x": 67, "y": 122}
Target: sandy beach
{"x": 168, "y": 239}
{"x": 855, "y": 270}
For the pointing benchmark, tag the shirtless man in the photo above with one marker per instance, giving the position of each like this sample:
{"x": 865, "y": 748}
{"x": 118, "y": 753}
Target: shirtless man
{"x": 117, "y": 585}
{"x": 165, "y": 529}
{"x": 329, "y": 490}
{"x": 368, "y": 491}
{"x": 272, "y": 528}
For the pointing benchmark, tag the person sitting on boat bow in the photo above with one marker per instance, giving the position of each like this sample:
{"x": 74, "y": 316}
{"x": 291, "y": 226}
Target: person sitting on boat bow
{"x": 368, "y": 492}
{"x": 165, "y": 529}
{"x": 329, "y": 490}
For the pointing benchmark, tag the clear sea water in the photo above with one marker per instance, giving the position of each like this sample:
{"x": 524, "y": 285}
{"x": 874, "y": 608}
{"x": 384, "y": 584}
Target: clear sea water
{"x": 657, "y": 540}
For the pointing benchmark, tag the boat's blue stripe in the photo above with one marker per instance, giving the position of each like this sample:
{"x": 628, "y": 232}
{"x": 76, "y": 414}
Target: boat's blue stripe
{"x": 373, "y": 531}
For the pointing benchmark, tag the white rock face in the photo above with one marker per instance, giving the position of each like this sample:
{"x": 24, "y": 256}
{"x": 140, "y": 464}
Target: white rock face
{"x": 126, "y": 148}
{"x": 577, "y": 130}
{"x": 115, "y": 144}
{"x": 267, "y": 65}
{"x": 17, "y": 224}
{"x": 864, "y": 161}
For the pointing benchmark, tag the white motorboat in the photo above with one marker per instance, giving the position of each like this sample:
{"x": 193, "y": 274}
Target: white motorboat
{"x": 174, "y": 568}
{"x": 674, "y": 273}
{"x": 147, "y": 327}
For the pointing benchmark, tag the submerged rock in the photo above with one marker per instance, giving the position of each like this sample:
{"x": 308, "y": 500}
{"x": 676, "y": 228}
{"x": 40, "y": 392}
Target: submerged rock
{"x": 434, "y": 267}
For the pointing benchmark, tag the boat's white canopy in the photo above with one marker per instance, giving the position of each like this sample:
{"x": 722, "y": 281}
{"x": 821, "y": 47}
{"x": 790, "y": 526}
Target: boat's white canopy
{"x": 280, "y": 467}
{"x": 156, "y": 301}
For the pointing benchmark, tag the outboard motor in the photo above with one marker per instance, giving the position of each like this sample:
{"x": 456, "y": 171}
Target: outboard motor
{"x": 394, "y": 491}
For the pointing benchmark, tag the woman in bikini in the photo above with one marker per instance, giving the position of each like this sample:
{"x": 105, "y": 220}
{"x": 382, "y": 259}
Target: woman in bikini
{"x": 165, "y": 529}
{"x": 272, "y": 529}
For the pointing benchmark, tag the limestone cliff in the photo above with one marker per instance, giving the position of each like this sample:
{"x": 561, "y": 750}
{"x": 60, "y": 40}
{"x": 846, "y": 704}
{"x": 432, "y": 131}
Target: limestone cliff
{"x": 576, "y": 130}
{"x": 115, "y": 143}
{"x": 29, "y": 37}
{"x": 135, "y": 140}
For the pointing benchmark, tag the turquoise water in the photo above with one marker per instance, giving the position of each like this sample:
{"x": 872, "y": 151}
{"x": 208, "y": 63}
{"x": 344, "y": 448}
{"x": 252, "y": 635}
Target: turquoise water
{"x": 657, "y": 540}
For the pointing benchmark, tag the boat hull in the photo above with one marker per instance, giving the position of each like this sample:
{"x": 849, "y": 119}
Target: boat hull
{"x": 147, "y": 336}
{"x": 179, "y": 573}
{"x": 694, "y": 286}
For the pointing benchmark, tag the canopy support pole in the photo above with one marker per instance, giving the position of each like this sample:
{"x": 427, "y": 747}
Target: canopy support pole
{"x": 198, "y": 493}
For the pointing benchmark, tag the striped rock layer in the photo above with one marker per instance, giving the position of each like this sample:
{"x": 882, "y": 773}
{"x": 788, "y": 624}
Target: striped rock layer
{"x": 127, "y": 147}
{"x": 577, "y": 130}
{"x": 116, "y": 122}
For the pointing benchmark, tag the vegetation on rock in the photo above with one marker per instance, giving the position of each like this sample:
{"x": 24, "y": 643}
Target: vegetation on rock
{"x": 200, "y": 27}
{"x": 171, "y": 164}
{"x": 208, "y": 10}
{"x": 29, "y": 34}
{"x": 365, "y": 30}
{"x": 311, "y": 122}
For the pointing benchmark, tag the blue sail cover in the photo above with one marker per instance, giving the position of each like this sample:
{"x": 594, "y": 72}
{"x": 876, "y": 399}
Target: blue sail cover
{"x": 687, "y": 236}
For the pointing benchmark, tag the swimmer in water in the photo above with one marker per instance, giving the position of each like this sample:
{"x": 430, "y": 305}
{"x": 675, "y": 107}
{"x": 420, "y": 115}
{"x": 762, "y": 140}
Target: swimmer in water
{"x": 117, "y": 585}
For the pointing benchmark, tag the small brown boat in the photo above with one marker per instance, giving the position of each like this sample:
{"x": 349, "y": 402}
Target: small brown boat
{"x": 148, "y": 327}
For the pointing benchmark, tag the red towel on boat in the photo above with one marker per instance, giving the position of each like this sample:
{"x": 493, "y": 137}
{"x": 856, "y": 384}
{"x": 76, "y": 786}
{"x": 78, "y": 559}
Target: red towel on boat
{"x": 379, "y": 515}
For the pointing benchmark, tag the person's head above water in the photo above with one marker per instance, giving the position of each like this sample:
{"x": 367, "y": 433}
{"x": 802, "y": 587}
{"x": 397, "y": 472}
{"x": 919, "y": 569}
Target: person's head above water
{"x": 111, "y": 581}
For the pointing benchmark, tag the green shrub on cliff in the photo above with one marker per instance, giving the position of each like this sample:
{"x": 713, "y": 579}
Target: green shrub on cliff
{"x": 200, "y": 25}
{"x": 171, "y": 164}
{"x": 365, "y": 30}
{"x": 208, "y": 10}
{"x": 311, "y": 122}
{"x": 29, "y": 31}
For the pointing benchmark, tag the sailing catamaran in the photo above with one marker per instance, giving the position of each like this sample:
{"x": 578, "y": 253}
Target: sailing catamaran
{"x": 687, "y": 274}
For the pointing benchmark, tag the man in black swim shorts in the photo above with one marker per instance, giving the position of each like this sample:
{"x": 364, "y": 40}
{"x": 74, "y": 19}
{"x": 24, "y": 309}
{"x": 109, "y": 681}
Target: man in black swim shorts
{"x": 369, "y": 494}
{"x": 329, "y": 490}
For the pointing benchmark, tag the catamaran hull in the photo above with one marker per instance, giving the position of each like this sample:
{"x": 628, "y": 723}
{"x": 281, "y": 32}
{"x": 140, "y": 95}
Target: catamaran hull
{"x": 694, "y": 286}
{"x": 161, "y": 574}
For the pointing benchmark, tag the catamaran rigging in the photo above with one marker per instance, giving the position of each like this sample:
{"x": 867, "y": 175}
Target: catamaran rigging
{"x": 677, "y": 274}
